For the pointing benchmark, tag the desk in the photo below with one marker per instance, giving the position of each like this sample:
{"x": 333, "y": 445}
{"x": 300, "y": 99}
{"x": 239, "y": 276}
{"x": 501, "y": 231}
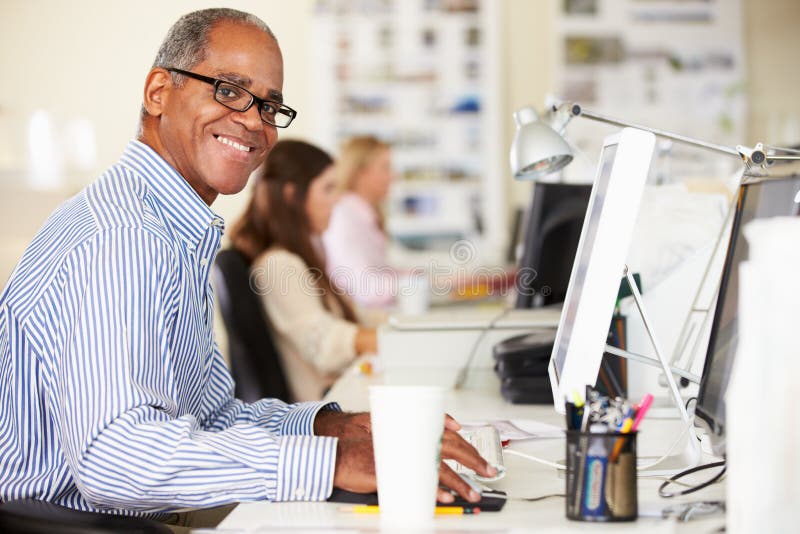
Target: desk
{"x": 410, "y": 346}
{"x": 480, "y": 400}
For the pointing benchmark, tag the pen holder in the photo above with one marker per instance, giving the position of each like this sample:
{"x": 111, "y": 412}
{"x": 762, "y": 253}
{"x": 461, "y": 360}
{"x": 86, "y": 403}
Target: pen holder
{"x": 601, "y": 476}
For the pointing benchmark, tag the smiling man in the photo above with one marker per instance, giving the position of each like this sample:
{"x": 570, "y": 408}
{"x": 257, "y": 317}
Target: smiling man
{"x": 113, "y": 394}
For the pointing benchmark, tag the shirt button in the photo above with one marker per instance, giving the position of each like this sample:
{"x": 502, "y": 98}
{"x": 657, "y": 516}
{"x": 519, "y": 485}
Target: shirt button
{"x": 299, "y": 493}
{"x": 203, "y": 262}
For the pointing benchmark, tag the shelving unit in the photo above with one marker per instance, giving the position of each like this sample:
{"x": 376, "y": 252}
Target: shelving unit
{"x": 423, "y": 75}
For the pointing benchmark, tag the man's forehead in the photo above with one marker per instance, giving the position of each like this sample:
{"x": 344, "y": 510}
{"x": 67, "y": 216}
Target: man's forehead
{"x": 245, "y": 81}
{"x": 239, "y": 53}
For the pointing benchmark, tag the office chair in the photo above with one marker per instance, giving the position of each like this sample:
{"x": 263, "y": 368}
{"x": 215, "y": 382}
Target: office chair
{"x": 255, "y": 361}
{"x": 32, "y": 516}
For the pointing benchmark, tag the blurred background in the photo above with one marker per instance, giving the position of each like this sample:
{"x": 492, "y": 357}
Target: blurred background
{"x": 439, "y": 79}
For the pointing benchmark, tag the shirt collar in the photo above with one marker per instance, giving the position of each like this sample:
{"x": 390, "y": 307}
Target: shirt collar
{"x": 186, "y": 213}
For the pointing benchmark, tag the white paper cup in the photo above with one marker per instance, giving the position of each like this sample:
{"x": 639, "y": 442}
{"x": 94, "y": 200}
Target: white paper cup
{"x": 407, "y": 425}
{"x": 414, "y": 293}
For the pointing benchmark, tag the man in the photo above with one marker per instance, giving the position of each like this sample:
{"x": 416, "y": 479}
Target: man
{"x": 113, "y": 393}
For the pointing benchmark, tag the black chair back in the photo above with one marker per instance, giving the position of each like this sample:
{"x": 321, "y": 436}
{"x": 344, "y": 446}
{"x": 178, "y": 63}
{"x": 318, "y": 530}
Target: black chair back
{"x": 255, "y": 361}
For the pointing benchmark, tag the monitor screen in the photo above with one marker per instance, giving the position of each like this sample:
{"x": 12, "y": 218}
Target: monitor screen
{"x": 599, "y": 262}
{"x": 582, "y": 261}
{"x": 552, "y": 231}
{"x": 769, "y": 198}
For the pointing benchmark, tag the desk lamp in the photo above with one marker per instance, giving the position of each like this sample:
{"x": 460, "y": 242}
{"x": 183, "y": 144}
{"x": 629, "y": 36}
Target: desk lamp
{"x": 539, "y": 148}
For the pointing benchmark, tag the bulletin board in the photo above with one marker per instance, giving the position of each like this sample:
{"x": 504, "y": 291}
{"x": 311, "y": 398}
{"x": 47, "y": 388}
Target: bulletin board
{"x": 673, "y": 65}
{"x": 423, "y": 76}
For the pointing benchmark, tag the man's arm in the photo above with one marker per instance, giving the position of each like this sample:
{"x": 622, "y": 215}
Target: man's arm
{"x": 272, "y": 414}
{"x": 128, "y": 402}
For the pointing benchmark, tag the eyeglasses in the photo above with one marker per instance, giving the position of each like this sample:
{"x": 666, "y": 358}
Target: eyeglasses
{"x": 238, "y": 98}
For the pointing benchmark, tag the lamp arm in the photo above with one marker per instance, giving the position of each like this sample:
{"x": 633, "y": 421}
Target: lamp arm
{"x": 576, "y": 110}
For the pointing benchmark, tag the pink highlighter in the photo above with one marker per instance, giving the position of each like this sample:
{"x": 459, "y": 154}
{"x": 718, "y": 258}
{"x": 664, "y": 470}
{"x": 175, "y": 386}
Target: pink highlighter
{"x": 642, "y": 411}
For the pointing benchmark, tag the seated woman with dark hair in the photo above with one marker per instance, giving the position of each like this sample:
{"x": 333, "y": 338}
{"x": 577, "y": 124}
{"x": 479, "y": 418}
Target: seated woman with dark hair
{"x": 314, "y": 324}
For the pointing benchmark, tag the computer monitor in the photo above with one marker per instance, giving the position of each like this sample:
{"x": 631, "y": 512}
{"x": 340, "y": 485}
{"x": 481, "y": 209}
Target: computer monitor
{"x": 600, "y": 261}
{"x": 767, "y": 198}
{"x": 552, "y": 232}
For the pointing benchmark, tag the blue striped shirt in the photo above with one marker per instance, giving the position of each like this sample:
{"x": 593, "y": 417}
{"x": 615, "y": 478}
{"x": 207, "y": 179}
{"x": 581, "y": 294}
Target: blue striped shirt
{"x": 113, "y": 394}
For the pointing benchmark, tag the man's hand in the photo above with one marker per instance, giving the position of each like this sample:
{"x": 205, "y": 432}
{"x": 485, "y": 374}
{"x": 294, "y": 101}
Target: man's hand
{"x": 456, "y": 448}
{"x": 343, "y": 425}
{"x": 355, "y": 466}
{"x": 355, "y": 463}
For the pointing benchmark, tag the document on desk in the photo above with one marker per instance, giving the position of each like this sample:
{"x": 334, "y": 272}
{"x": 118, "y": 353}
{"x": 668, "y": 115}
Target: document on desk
{"x": 519, "y": 429}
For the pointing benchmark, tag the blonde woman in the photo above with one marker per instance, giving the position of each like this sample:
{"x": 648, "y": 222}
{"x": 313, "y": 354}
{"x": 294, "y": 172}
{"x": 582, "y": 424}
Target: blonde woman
{"x": 355, "y": 241}
{"x": 315, "y": 326}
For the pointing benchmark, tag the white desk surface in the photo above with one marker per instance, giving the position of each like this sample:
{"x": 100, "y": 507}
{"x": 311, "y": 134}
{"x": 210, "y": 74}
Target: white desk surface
{"x": 480, "y": 400}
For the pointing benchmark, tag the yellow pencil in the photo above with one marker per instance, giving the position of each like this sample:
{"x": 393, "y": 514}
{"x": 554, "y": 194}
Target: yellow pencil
{"x": 439, "y": 510}
{"x": 626, "y": 427}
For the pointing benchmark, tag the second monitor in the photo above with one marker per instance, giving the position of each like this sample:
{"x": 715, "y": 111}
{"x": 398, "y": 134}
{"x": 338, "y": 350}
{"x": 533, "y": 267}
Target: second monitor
{"x": 552, "y": 231}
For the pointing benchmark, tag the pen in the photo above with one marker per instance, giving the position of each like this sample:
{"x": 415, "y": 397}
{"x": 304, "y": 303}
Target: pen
{"x": 439, "y": 510}
{"x": 626, "y": 427}
{"x": 647, "y": 401}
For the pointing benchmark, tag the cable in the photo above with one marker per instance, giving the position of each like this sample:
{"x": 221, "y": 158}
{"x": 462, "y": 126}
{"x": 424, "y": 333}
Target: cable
{"x": 675, "y": 478}
{"x": 534, "y": 459}
{"x": 665, "y": 478}
{"x": 462, "y": 374}
{"x": 666, "y": 455}
{"x": 534, "y": 499}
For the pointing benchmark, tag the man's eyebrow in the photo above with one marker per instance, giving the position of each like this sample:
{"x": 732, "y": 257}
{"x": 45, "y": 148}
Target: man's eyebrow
{"x": 246, "y": 82}
{"x": 238, "y": 79}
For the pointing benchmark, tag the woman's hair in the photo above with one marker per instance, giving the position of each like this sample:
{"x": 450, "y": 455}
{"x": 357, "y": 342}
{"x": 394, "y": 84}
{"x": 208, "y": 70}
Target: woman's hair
{"x": 271, "y": 219}
{"x": 356, "y": 153}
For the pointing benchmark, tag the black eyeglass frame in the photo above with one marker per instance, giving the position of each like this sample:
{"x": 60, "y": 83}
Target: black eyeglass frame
{"x": 281, "y": 107}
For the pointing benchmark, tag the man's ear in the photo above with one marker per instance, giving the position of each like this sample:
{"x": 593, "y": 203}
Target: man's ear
{"x": 157, "y": 86}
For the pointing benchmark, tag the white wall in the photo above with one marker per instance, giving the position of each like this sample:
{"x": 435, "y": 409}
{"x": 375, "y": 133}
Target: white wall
{"x": 772, "y": 41}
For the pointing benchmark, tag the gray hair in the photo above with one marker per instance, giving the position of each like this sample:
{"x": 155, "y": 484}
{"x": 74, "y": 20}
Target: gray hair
{"x": 186, "y": 42}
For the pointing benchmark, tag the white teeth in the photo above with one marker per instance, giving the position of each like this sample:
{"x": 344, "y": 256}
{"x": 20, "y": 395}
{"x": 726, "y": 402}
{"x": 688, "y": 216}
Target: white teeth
{"x": 234, "y": 144}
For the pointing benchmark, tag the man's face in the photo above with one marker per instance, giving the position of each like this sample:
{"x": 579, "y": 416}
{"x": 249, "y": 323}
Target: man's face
{"x": 215, "y": 148}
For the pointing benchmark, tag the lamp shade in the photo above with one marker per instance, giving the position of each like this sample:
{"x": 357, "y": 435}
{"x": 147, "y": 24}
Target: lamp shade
{"x": 537, "y": 149}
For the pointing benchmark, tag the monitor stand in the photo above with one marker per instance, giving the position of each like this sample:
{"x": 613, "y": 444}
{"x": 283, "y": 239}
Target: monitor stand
{"x": 690, "y": 453}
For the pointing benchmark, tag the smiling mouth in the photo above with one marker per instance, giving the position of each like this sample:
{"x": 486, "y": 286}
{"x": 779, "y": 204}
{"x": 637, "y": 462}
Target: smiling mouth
{"x": 233, "y": 144}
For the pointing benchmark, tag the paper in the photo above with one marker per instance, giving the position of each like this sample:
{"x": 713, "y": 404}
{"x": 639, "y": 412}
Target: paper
{"x": 520, "y": 429}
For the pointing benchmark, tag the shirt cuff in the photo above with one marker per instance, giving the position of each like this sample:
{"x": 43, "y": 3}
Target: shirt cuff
{"x": 299, "y": 421}
{"x": 305, "y": 468}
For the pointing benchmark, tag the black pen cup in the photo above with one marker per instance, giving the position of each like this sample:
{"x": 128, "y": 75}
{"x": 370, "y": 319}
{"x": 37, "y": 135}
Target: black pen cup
{"x": 601, "y": 476}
